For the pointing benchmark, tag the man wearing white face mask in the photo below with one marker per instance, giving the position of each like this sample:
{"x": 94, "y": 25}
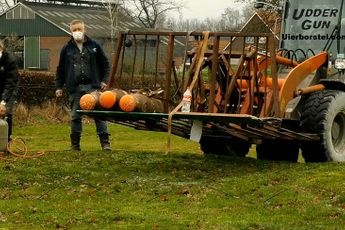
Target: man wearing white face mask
{"x": 83, "y": 67}
{"x": 8, "y": 85}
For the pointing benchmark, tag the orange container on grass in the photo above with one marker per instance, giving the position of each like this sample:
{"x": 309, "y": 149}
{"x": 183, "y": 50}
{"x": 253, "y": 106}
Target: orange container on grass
{"x": 89, "y": 101}
{"x": 110, "y": 99}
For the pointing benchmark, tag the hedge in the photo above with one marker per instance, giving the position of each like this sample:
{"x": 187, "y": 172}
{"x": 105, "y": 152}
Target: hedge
{"x": 37, "y": 87}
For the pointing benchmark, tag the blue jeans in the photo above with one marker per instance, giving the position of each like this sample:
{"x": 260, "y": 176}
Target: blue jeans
{"x": 8, "y": 116}
{"x": 76, "y": 119}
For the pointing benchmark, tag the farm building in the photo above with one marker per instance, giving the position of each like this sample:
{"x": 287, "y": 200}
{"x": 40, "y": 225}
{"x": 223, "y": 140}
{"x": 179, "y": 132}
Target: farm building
{"x": 42, "y": 28}
{"x": 255, "y": 24}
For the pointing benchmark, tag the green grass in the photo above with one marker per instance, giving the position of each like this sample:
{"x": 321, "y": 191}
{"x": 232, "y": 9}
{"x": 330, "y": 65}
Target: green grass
{"x": 138, "y": 186}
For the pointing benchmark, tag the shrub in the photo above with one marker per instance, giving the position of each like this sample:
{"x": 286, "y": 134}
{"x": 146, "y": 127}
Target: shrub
{"x": 37, "y": 88}
{"x": 48, "y": 112}
{"x": 36, "y": 101}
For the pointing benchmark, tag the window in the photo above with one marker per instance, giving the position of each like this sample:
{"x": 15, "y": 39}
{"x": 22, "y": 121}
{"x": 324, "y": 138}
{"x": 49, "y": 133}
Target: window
{"x": 20, "y": 12}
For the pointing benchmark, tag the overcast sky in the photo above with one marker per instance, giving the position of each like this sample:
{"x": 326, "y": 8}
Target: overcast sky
{"x": 202, "y": 9}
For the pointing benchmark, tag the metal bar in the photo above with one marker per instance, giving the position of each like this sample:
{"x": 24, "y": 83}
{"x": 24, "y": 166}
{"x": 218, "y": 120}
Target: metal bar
{"x": 233, "y": 80}
{"x": 185, "y": 56}
{"x": 243, "y": 136}
{"x": 201, "y": 92}
{"x": 177, "y": 83}
{"x": 310, "y": 89}
{"x": 265, "y": 72}
{"x": 157, "y": 60}
{"x": 197, "y": 33}
{"x": 229, "y": 73}
{"x": 200, "y": 58}
{"x": 115, "y": 62}
{"x": 254, "y": 78}
{"x": 213, "y": 74}
{"x": 144, "y": 61}
{"x": 274, "y": 75}
{"x": 289, "y": 133}
{"x": 250, "y": 87}
{"x": 168, "y": 70}
{"x": 134, "y": 58}
{"x": 265, "y": 133}
{"x": 243, "y": 68}
{"x": 244, "y": 132}
{"x": 220, "y": 117}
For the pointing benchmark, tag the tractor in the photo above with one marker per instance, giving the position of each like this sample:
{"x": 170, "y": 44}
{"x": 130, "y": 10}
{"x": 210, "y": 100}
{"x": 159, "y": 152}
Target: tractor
{"x": 282, "y": 96}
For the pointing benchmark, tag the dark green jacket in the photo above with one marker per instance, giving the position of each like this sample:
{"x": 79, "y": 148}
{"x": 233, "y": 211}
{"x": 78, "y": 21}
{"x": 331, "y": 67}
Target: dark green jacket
{"x": 8, "y": 76}
{"x": 98, "y": 61}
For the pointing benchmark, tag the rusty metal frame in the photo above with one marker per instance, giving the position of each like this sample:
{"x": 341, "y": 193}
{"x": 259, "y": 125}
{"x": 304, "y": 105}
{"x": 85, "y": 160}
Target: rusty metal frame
{"x": 212, "y": 105}
{"x": 118, "y": 67}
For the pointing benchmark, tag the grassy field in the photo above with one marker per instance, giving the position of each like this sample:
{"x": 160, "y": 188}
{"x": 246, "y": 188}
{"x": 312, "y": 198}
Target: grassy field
{"x": 138, "y": 186}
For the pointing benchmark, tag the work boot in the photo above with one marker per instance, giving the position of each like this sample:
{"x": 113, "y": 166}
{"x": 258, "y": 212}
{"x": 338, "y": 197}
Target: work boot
{"x": 75, "y": 141}
{"x": 104, "y": 140}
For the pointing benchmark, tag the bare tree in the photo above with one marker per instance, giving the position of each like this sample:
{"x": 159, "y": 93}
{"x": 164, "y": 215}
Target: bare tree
{"x": 271, "y": 2}
{"x": 5, "y": 4}
{"x": 152, "y": 13}
{"x": 231, "y": 19}
{"x": 113, "y": 9}
{"x": 269, "y": 13}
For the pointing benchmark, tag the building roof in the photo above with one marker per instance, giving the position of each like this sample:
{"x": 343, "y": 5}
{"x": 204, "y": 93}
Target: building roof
{"x": 254, "y": 25}
{"x": 96, "y": 18}
{"x": 257, "y": 24}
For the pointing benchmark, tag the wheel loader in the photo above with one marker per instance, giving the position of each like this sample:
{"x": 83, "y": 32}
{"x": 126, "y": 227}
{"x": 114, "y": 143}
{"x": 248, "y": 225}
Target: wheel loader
{"x": 281, "y": 95}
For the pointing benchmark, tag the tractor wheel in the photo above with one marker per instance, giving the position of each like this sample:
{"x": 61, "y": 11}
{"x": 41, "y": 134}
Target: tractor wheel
{"x": 278, "y": 150}
{"x": 233, "y": 147}
{"x": 324, "y": 114}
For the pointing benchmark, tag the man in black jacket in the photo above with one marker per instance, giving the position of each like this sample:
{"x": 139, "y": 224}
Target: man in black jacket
{"x": 8, "y": 85}
{"x": 83, "y": 67}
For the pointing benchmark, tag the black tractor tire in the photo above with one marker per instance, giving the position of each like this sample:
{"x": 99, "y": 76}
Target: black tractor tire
{"x": 231, "y": 147}
{"x": 324, "y": 114}
{"x": 278, "y": 150}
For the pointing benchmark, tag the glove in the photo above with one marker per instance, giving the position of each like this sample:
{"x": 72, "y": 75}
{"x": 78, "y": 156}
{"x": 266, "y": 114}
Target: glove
{"x": 58, "y": 93}
{"x": 103, "y": 86}
{"x": 2, "y": 110}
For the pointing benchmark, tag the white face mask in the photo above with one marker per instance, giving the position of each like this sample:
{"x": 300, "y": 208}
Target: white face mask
{"x": 78, "y": 36}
